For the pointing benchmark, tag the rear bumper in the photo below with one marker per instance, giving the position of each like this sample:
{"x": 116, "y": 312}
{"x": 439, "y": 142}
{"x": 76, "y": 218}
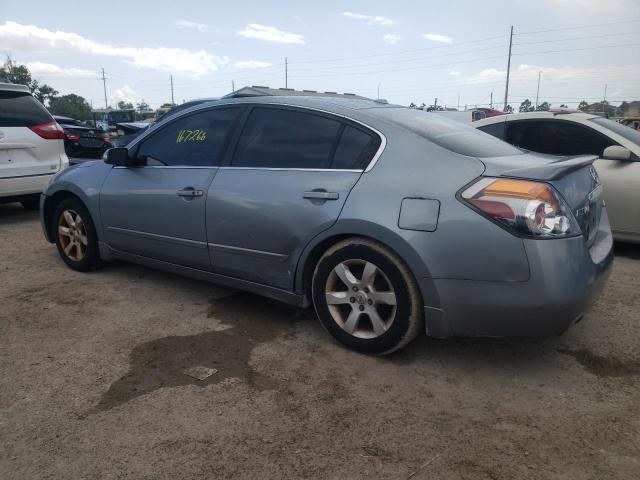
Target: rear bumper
{"x": 565, "y": 278}
{"x": 16, "y": 186}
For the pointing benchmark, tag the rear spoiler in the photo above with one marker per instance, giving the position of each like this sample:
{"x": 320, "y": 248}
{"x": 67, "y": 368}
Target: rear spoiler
{"x": 553, "y": 170}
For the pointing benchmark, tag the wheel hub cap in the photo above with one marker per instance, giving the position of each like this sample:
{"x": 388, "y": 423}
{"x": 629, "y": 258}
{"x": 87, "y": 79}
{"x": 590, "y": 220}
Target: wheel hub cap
{"x": 72, "y": 235}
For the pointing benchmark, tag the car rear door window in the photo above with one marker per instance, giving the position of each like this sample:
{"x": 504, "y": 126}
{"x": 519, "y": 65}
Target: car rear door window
{"x": 194, "y": 140}
{"x": 283, "y": 138}
{"x": 20, "y": 109}
{"x": 524, "y": 134}
{"x": 355, "y": 149}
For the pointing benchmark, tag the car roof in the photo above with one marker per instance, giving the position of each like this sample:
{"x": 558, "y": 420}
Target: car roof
{"x": 323, "y": 103}
{"x": 533, "y": 115}
{"x": 13, "y": 87}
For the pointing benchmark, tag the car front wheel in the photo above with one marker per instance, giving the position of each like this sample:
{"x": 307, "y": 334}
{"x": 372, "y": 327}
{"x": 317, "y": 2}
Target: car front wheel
{"x": 75, "y": 235}
{"x": 366, "y": 297}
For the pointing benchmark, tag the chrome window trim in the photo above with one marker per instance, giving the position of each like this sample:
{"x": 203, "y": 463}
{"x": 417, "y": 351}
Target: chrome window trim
{"x": 205, "y": 106}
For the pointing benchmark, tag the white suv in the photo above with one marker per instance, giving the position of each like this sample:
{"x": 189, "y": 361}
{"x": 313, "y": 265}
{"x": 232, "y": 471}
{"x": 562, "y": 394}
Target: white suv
{"x": 31, "y": 146}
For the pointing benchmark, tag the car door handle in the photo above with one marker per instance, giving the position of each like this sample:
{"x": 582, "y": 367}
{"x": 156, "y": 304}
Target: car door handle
{"x": 190, "y": 192}
{"x": 321, "y": 195}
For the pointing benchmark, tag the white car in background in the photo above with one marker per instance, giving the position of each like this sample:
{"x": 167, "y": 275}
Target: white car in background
{"x": 31, "y": 146}
{"x": 564, "y": 132}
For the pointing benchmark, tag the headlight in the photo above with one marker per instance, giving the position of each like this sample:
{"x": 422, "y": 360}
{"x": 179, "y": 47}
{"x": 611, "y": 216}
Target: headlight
{"x": 524, "y": 207}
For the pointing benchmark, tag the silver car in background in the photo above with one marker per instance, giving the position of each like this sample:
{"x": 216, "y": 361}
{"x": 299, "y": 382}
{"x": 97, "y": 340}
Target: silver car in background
{"x": 389, "y": 220}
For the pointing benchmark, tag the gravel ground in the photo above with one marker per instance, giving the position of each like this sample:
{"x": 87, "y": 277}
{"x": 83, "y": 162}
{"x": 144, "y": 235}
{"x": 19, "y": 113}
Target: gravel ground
{"x": 91, "y": 385}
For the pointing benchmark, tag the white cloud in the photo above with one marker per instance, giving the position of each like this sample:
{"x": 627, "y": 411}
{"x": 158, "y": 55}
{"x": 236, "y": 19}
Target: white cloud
{"x": 125, "y": 94}
{"x": 201, "y": 27}
{"x": 30, "y": 37}
{"x": 270, "y": 34}
{"x": 453, "y": 73}
{"x": 391, "y": 38}
{"x": 434, "y": 37}
{"x": 251, "y": 64}
{"x": 376, "y": 20}
{"x": 51, "y": 70}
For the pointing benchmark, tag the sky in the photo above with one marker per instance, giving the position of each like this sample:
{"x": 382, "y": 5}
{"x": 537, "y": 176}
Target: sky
{"x": 403, "y": 51}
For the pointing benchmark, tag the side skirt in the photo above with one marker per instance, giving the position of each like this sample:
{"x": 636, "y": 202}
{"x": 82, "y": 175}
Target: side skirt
{"x": 264, "y": 290}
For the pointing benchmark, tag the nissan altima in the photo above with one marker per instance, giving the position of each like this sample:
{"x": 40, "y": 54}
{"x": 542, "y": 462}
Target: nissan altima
{"x": 390, "y": 221}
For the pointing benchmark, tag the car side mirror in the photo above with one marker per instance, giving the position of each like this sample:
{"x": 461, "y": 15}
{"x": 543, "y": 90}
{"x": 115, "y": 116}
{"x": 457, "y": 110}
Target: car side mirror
{"x": 118, "y": 156}
{"x": 616, "y": 152}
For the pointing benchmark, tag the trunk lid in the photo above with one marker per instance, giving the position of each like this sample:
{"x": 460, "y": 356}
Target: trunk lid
{"x": 573, "y": 177}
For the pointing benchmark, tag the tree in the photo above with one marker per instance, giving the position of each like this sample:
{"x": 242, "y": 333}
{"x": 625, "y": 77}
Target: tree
{"x": 413, "y": 105}
{"x": 20, "y": 75}
{"x": 508, "y": 109}
{"x": 582, "y": 105}
{"x": 71, "y": 105}
{"x": 142, "y": 105}
{"x": 543, "y": 107}
{"x": 122, "y": 105}
{"x": 526, "y": 106}
{"x": 563, "y": 106}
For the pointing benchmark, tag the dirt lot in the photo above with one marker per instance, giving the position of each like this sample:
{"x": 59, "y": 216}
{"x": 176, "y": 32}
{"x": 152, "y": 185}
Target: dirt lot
{"x": 91, "y": 385}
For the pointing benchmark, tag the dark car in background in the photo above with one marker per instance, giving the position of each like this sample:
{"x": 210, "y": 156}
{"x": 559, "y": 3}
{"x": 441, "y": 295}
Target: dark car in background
{"x": 81, "y": 141}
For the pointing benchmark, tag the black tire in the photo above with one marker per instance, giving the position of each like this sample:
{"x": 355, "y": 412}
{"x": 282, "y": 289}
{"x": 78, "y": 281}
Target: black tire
{"x": 31, "y": 203}
{"x": 404, "y": 320}
{"x": 90, "y": 259}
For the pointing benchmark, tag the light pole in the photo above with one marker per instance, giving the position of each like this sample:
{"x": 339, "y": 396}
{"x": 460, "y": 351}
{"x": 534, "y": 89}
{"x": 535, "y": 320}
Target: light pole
{"x": 379, "y": 91}
{"x": 538, "y": 91}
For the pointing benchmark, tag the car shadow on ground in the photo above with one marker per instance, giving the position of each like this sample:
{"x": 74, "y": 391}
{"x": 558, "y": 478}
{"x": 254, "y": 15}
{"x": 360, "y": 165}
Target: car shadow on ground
{"x": 625, "y": 249}
{"x": 13, "y": 213}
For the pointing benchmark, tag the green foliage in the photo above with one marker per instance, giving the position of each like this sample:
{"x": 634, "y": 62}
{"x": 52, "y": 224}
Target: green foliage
{"x": 583, "y": 104}
{"x": 142, "y": 105}
{"x": 543, "y": 107}
{"x": 20, "y": 75}
{"x": 508, "y": 109}
{"x": 71, "y": 105}
{"x": 122, "y": 105}
{"x": 526, "y": 106}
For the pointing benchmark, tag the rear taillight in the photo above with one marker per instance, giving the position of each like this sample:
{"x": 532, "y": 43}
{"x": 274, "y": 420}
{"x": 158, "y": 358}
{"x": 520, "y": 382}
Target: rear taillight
{"x": 71, "y": 137}
{"x": 522, "y": 206}
{"x": 50, "y": 131}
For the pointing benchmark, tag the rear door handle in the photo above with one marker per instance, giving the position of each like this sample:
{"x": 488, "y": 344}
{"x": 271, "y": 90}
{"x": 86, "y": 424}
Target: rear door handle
{"x": 190, "y": 192}
{"x": 321, "y": 195}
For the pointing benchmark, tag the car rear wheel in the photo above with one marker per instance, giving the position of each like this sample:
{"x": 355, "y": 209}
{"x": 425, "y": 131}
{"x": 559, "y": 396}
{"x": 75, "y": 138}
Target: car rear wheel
{"x": 75, "y": 236}
{"x": 366, "y": 297}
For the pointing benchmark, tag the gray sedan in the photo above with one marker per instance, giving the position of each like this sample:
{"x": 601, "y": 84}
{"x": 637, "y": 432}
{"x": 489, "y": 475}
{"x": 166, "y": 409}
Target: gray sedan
{"x": 389, "y": 220}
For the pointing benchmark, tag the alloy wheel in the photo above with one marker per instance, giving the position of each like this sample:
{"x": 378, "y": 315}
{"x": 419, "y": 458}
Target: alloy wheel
{"x": 360, "y": 298}
{"x": 72, "y": 235}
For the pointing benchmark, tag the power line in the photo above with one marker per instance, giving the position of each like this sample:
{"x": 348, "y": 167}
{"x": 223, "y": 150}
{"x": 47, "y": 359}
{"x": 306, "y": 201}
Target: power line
{"x": 589, "y": 37}
{"x": 578, "y": 27}
{"x": 580, "y": 49}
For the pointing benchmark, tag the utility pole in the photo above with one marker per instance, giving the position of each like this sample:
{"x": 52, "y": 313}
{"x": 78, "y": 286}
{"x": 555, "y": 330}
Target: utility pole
{"x": 506, "y": 88}
{"x": 286, "y": 72}
{"x": 538, "y": 91}
{"x": 435, "y": 103}
{"x": 233, "y": 86}
{"x": 605, "y": 94}
{"x": 491, "y": 101}
{"x": 458, "y": 102}
{"x": 378, "y": 91}
{"x": 104, "y": 86}
{"x": 171, "y": 79}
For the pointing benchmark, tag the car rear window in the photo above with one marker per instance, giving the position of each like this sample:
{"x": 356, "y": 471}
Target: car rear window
{"x": 20, "y": 109}
{"x": 623, "y": 130}
{"x": 450, "y": 134}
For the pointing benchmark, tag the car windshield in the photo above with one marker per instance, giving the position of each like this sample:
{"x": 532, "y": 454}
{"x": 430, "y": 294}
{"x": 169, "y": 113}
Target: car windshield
{"x": 450, "y": 134}
{"x": 622, "y": 130}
